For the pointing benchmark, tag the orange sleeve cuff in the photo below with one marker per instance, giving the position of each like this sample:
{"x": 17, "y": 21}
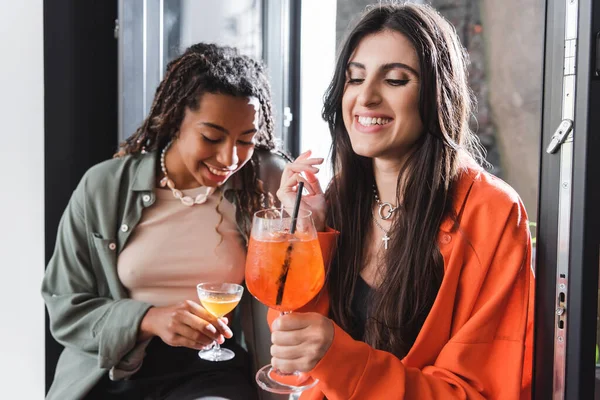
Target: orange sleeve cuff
{"x": 342, "y": 365}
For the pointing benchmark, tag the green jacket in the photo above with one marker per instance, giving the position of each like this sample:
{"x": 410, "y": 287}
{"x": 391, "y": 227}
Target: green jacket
{"x": 90, "y": 312}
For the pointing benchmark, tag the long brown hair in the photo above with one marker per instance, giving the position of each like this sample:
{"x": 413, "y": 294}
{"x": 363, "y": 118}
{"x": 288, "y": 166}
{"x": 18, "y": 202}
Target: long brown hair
{"x": 413, "y": 266}
{"x": 209, "y": 68}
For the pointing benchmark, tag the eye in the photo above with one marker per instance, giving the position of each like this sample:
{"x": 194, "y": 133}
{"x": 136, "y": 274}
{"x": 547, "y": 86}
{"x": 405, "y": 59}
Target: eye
{"x": 352, "y": 81}
{"x": 397, "y": 82}
{"x": 209, "y": 140}
{"x": 244, "y": 143}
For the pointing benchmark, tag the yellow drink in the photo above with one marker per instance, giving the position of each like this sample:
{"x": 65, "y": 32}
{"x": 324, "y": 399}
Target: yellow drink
{"x": 219, "y": 304}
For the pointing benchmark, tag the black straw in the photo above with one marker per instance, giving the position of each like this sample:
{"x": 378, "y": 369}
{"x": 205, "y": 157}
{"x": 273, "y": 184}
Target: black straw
{"x": 288, "y": 253}
{"x": 297, "y": 207}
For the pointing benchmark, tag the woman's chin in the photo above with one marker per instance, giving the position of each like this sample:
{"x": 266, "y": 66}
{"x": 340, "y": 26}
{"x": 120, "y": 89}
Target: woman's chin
{"x": 365, "y": 151}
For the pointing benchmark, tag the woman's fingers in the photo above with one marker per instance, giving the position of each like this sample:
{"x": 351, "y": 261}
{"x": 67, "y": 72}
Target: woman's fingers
{"x": 199, "y": 325}
{"x": 292, "y": 184}
{"x": 287, "y": 366}
{"x": 294, "y": 168}
{"x": 304, "y": 155}
{"x": 190, "y": 337}
{"x": 314, "y": 183}
{"x": 281, "y": 339}
{"x": 287, "y": 352}
{"x": 304, "y": 162}
{"x": 198, "y": 311}
{"x": 311, "y": 183}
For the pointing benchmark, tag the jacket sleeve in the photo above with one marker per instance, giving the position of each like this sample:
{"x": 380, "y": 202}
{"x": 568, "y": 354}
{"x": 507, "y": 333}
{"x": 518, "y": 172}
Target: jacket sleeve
{"x": 80, "y": 318}
{"x": 483, "y": 359}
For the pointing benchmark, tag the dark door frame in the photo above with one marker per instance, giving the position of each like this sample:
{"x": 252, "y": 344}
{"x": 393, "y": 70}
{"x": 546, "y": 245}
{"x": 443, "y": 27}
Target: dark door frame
{"x": 585, "y": 214}
{"x": 80, "y": 109}
{"x": 582, "y": 284}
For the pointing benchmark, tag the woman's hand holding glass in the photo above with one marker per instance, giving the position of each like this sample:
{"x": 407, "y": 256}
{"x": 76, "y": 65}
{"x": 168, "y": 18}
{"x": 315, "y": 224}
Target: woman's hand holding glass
{"x": 303, "y": 170}
{"x": 300, "y": 340}
{"x": 186, "y": 324}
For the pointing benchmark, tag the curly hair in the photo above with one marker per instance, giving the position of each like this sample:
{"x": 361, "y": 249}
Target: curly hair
{"x": 209, "y": 68}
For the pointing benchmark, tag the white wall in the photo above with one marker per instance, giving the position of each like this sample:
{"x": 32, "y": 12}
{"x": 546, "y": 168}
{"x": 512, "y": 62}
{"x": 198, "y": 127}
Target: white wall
{"x": 318, "y": 61}
{"x": 21, "y": 199}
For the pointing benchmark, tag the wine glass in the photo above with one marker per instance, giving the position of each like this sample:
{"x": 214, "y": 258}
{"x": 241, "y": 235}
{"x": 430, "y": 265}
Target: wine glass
{"x": 218, "y": 299}
{"x": 284, "y": 271}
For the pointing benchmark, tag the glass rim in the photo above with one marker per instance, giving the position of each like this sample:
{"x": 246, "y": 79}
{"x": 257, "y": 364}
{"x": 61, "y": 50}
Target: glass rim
{"x": 235, "y": 288}
{"x": 301, "y": 213}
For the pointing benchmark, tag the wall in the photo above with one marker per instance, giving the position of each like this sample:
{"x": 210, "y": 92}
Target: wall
{"x": 514, "y": 43}
{"x": 22, "y": 200}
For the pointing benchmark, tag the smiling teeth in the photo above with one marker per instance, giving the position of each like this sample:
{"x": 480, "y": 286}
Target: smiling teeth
{"x": 217, "y": 171}
{"x": 368, "y": 121}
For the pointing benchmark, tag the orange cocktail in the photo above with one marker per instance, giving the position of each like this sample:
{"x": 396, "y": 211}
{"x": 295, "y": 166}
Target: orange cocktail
{"x": 284, "y": 271}
{"x": 266, "y": 268}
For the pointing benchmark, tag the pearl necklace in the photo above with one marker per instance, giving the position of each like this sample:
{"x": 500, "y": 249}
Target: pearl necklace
{"x": 178, "y": 194}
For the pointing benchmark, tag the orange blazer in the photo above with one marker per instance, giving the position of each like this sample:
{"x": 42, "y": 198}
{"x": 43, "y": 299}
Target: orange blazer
{"x": 476, "y": 342}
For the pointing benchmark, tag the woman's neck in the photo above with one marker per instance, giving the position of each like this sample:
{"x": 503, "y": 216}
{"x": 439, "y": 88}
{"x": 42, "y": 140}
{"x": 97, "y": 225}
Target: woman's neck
{"x": 177, "y": 170}
{"x": 386, "y": 178}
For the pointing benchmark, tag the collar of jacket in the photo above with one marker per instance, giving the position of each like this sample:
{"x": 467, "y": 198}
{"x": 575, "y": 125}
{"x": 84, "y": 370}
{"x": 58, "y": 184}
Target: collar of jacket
{"x": 467, "y": 178}
{"x": 145, "y": 181}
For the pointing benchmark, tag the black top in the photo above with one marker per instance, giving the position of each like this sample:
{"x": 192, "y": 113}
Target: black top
{"x": 360, "y": 308}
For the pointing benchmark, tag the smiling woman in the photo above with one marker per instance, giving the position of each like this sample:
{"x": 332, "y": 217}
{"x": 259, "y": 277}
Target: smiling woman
{"x": 214, "y": 141}
{"x": 428, "y": 293}
{"x": 171, "y": 210}
{"x": 382, "y": 95}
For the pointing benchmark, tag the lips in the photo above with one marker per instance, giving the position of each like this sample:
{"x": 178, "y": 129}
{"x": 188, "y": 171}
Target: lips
{"x": 218, "y": 174}
{"x": 371, "y": 123}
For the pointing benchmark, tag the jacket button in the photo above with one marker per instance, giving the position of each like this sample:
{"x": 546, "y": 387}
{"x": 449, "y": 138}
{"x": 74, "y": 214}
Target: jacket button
{"x": 112, "y": 246}
{"x": 146, "y": 198}
{"x": 446, "y": 238}
{"x": 124, "y": 228}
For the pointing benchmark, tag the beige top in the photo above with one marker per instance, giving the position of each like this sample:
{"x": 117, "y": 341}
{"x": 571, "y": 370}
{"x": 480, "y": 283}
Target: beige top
{"x": 175, "y": 247}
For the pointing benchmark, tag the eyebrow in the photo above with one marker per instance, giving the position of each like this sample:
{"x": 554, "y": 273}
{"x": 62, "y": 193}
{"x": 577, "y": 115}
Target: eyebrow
{"x": 385, "y": 67}
{"x": 225, "y": 131}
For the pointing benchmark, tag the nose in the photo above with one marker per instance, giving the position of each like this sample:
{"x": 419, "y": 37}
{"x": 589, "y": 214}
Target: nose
{"x": 228, "y": 156}
{"x": 369, "y": 94}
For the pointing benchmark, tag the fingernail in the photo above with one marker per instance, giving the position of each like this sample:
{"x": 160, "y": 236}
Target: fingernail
{"x": 226, "y": 329}
{"x": 211, "y": 329}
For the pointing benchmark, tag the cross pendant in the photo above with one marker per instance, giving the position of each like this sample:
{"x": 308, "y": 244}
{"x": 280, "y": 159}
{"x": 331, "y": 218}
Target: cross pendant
{"x": 385, "y": 239}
